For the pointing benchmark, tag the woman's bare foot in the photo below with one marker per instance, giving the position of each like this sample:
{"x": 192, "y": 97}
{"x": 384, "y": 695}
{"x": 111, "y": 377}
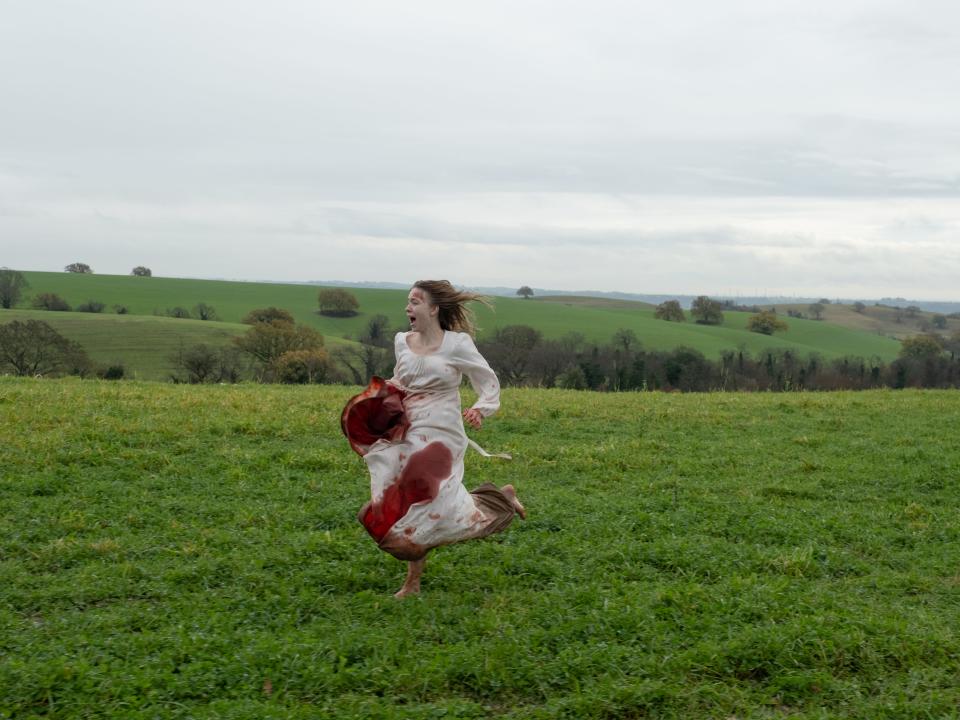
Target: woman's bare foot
{"x": 511, "y": 494}
{"x": 411, "y": 586}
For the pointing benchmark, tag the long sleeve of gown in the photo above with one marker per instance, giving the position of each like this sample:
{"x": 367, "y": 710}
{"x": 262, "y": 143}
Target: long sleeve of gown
{"x": 484, "y": 381}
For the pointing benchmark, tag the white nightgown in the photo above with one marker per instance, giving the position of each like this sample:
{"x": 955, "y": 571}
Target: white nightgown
{"x": 410, "y": 433}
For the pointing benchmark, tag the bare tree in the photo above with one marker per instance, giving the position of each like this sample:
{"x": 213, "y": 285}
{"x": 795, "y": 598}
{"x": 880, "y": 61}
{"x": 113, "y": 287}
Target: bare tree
{"x": 509, "y": 351}
{"x": 12, "y": 285}
{"x": 377, "y": 331}
{"x": 33, "y": 347}
{"x": 363, "y": 361}
{"x": 202, "y": 311}
{"x": 199, "y": 362}
{"x": 202, "y": 363}
{"x": 625, "y": 339}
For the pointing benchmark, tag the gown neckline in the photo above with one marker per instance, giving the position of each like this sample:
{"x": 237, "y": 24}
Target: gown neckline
{"x": 443, "y": 340}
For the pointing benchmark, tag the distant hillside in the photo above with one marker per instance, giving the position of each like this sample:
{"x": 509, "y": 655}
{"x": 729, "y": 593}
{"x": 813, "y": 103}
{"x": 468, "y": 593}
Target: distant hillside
{"x": 933, "y": 306}
{"x": 894, "y": 322}
{"x": 596, "y": 319}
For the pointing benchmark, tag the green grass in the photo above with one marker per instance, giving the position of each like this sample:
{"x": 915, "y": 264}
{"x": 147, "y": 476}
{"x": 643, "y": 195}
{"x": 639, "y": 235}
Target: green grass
{"x": 166, "y": 550}
{"x": 596, "y": 320}
{"x": 144, "y": 344}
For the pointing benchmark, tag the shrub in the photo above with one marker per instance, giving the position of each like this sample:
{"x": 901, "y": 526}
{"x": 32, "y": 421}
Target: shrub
{"x": 266, "y": 315}
{"x": 266, "y": 342}
{"x": 50, "y": 301}
{"x": 304, "y": 366}
{"x": 178, "y": 312}
{"x": 113, "y": 371}
{"x": 121, "y": 309}
{"x": 765, "y": 322}
{"x": 204, "y": 364}
{"x": 141, "y": 271}
{"x": 202, "y": 311}
{"x": 91, "y": 306}
{"x": 573, "y": 378}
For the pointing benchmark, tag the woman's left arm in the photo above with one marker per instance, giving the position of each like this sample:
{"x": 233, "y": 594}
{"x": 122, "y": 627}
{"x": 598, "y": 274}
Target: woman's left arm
{"x": 484, "y": 381}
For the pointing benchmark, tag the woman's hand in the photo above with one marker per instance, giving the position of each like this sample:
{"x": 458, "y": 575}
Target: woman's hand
{"x": 473, "y": 417}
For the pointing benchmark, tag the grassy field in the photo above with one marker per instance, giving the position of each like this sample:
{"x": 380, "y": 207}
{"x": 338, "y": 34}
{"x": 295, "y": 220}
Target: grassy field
{"x": 554, "y": 317}
{"x": 144, "y": 344}
{"x": 192, "y": 552}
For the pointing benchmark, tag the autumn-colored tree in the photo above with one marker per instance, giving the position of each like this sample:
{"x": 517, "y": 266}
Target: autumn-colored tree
{"x": 337, "y": 302}
{"x": 268, "y": 341}
{"x": 268, "y": 314}
{"x": 304, "y": 366}
{"x": 921, "y": 346}
{"x": 765, "y": 322}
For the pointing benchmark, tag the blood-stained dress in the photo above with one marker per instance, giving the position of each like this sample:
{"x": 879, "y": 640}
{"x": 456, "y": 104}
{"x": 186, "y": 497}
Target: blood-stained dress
{"x": 409, "y": 431}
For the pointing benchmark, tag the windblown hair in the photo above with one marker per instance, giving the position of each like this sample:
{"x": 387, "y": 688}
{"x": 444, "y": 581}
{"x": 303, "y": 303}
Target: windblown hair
{"x": 454, "y": 313}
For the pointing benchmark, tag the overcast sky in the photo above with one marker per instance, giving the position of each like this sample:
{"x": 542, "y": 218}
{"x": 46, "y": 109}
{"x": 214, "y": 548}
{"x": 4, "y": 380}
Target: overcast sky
{"x": 808, "y": 148}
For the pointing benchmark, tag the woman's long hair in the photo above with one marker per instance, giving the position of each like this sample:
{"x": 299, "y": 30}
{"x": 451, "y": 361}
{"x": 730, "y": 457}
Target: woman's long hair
{"x": 454, "y": 313}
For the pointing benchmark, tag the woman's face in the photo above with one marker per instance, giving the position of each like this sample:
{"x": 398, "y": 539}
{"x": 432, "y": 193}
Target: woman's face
{"x": 420, "y": 311}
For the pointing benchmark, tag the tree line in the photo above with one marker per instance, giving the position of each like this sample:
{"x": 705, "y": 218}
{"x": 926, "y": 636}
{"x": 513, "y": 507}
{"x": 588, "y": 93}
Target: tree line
{"x": 522, "y": 357}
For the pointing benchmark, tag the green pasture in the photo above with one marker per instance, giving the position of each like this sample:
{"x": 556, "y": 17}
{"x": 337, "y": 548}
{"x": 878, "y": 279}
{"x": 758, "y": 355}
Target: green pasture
{"x": 555, "y": 317}
{"x": 144, "y": 344}
{"x": 169, "y": 551}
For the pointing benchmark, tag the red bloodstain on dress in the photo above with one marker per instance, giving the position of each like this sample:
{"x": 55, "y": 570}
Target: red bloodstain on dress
{"x": 410, "y": 434}
{"x": 418, "y": 482}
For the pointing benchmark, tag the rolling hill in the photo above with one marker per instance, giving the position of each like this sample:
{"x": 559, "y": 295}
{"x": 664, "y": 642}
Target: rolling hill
{"x": 145, "y": 338}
